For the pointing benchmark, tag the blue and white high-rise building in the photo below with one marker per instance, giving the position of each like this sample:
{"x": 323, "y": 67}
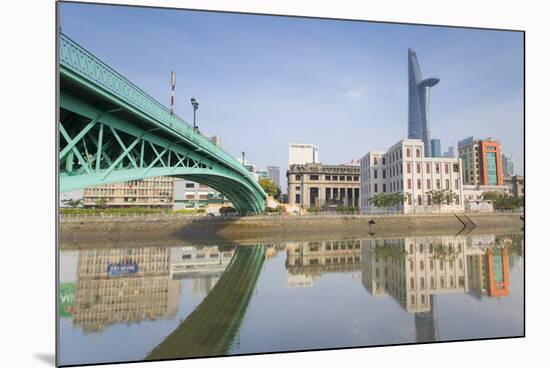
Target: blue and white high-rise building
{"x": 419, "y": 97}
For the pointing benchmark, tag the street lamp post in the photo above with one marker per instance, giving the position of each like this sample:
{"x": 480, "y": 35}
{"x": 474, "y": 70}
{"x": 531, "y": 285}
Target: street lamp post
{"x": 195, "y": 105}
{"x": 243, "y": 157}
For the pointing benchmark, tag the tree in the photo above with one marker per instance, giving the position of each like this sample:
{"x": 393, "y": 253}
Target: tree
{"x": 384, "y": 200}
{"x": 441, "y": 196}
{"x": 269, "y": 187}
{"x": 73, "y": 203}
{"x": 101, "y": 203}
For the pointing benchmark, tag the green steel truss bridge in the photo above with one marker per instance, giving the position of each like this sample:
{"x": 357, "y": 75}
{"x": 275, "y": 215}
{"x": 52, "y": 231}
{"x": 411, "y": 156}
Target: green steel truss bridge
{"x": 112, "y": 131}
{"x": 211, "y": 329}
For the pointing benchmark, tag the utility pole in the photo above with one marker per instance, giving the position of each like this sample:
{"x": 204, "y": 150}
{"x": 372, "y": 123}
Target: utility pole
{"x": 172, "y": 96}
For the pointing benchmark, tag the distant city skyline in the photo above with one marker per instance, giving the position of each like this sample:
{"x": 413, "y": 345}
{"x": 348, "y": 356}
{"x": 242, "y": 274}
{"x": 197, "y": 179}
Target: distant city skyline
{"x": 264, "y": 82}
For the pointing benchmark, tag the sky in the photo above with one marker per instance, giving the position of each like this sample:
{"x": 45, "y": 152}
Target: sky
{"x": 263, "y": 82}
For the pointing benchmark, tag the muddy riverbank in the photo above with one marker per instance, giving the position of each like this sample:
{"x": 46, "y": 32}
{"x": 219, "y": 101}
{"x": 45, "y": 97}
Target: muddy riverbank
{"x": 273, "y": 229}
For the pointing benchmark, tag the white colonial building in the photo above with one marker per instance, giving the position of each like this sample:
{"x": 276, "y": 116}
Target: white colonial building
{"x": 404, "y": 169}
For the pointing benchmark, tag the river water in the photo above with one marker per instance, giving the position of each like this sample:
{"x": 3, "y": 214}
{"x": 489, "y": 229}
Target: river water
{"x": 139, "y": 302}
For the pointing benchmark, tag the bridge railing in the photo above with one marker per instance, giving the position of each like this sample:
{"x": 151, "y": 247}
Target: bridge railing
{"x": 83, "y": 63}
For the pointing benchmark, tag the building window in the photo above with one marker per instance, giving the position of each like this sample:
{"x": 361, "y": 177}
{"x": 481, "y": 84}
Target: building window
{"x": 297, "y": 198}
{"x": 455, "y": 168}
{"x": 447, "y": 184}
{"x": 383, "y": 174}
{"x": 342, "y": 178}
{"x": 409, "y": 184}
{"x": 189, "y": 185}
{"x": 384, "y": 187}
{"x": 297, "y": 187}
{"x": 417, "y": 152}
{"x": 428, "y": 184}
{"x": 419, "y": 199}
{"x": 298, "y": 177}
{"x": 327, "y": 177}
{"x": 375, "y": 160}
{"x": 356, "y": 178}
{"x": 375, "y": 172}
{"x": 375, "y": 188}
{"x": 427, "y": 168}
{"x": 409, "y": 199}
{"x": 408, "y": 168}
{"x": 438, "y": 184}
{"x": 408, "y": 152}
{"x": 437, "y": 168}
{"x": 383, "y": 160}
{"x": 348, "y": 178}
{"x": 418, "y": 168}
{"x": 429, "y": 200}
{"x": 314, "y": 177}
{"x": 456, "y": 183}
{"x": 412, "y": 287}
{"x": 418, "y": 184}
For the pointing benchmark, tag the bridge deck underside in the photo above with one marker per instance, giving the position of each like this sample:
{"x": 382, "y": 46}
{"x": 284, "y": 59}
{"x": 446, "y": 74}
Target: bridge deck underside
{"x": 101, "y": 142}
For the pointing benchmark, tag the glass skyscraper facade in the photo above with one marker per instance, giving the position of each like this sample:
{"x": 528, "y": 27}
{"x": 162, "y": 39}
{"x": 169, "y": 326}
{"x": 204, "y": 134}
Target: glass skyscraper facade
{"x": 436, "y": 147}
{"x": 419, "y": 97}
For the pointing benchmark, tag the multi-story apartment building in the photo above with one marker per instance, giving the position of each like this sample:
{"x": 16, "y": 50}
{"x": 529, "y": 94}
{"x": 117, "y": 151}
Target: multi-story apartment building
{"x": 482, "y": 161}
{"x": 317, "y": 185}
{"x": 508, "y": 166}
{"x": 301, "y": 154}
{"x": 404, "y": 169}
{"x": 150, "y": 192}
{"x": 188, "y": 195}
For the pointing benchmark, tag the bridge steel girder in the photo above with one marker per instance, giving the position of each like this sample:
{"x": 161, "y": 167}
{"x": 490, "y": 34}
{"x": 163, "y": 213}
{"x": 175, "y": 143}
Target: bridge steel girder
{"x": 106, "y": 149}
{"x": 113, "y": 131}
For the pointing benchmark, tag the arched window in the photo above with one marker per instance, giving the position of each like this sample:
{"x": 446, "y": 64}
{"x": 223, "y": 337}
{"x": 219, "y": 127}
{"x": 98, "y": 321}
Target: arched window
{"x": 408, "y": 152}
{"x": 417, "y": 152}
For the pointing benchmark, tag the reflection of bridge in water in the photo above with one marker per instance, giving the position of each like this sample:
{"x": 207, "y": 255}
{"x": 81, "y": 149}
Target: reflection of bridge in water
{"x": 211, "y": 328}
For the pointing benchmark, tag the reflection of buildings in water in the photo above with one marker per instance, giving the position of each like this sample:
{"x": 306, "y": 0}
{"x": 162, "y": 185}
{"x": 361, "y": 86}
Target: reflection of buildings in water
{"x": 203, "y": 265}
{"x": 140, "y": 289}
{"x": 413, "y": 270}
{"x": 488, "y": 266}
{"x": 306, "y": 261}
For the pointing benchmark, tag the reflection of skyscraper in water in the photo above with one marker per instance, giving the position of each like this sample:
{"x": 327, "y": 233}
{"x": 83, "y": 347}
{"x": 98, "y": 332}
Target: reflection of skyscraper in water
{"x": 306, "y": 261}
{"x": 203, "y": 265}
{"x": 124, "y": 285}
{"x": 414, "y": 270}
{"x": 425, "y": 323}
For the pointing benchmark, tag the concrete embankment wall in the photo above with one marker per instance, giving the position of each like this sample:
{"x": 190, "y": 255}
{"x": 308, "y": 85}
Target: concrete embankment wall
{"x": 275, "y": 228}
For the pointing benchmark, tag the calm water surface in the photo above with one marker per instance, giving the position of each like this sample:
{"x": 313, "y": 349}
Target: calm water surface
{"x": 140, "y": 303}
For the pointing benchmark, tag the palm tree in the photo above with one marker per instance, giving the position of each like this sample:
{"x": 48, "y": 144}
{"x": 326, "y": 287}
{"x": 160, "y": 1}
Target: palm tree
{"x": 73, "y": 203}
